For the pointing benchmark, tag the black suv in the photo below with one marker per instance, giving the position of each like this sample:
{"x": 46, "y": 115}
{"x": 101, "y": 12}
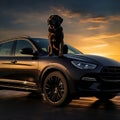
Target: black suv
{"x": 25, "y": 65}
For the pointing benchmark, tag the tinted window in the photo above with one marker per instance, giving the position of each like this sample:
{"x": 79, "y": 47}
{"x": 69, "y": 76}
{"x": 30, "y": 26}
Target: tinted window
{"x": 42, "y": 45}
{"x": 72, "y": 50}
{"x": 6, "y": 48}
{"x": 20, "y": 45}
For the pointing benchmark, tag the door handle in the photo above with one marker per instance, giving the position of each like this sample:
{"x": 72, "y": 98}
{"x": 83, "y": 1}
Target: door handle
{"x": 13, "y": 61}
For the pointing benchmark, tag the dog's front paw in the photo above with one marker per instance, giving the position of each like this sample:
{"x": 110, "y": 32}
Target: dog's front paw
{"x": 50, "y": 54}
{"x": 60, "y": 54}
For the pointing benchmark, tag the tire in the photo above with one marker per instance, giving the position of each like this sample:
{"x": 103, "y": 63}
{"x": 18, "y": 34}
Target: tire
{"x": 56, "y": 90}
{"x": 105, "y": 96}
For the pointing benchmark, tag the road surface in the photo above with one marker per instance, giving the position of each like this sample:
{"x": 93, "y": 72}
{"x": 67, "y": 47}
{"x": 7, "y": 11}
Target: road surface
{"x": 20, "y": 106}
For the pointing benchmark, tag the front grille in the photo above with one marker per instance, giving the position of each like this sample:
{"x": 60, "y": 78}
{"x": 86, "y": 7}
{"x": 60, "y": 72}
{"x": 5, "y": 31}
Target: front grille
{"x": 110, "y": 73}
{"x": 111, "y": 70}
{"x": 110, "y": 78}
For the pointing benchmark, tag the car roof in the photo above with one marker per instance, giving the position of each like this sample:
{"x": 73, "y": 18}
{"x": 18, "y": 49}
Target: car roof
{"x": 14, "y": 38}
{"x": 21, "y": 37}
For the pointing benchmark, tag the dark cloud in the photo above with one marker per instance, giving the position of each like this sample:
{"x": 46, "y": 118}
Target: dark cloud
{"x": 84, "y": 7}
{"x": 13, "y": 13}
{"x": 79, "y": 6}
{"x": 25, "y": 5}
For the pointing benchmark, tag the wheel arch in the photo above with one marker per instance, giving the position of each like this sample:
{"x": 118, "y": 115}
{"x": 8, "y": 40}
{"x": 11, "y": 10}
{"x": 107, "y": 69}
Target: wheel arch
{"x": 62, "y": 70}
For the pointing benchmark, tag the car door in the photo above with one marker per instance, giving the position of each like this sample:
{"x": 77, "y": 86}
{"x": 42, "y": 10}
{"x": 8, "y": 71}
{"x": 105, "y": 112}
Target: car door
{"x": 24, "y": 66}
{"x": 6, "y": 57}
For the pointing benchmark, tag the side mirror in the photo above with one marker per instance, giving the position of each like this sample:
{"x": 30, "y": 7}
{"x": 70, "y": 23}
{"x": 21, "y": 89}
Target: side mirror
{"x": 27, "y": 51}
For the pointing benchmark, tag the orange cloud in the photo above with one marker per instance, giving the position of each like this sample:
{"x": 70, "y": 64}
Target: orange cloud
{"x": 114, "y": 18}
{"x": 99, "y": 19}
{"x": 96, "y": 27}
{"x": 94, "y": 20}
{"x": 65, "y": 12}
{"x": 102, "y": 36}
{"x": 103, "y": 44}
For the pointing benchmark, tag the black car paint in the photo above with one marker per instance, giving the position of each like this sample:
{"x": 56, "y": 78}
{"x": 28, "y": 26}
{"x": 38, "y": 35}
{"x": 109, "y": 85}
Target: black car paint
{"x": 28, "y": 72}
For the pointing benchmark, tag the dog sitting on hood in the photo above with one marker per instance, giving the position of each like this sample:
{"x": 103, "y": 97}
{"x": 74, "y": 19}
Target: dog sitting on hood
{"x": 55, "y": 35}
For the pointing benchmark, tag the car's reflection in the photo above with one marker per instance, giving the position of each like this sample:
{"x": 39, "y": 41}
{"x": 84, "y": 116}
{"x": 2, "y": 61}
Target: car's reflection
{"x": 83, "y": 102}
{"x": 23, "y": 105}
{"x": 99, "y": 104}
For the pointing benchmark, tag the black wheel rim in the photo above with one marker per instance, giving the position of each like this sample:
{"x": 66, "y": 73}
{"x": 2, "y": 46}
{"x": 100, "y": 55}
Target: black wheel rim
{"x": 54, "y": 89}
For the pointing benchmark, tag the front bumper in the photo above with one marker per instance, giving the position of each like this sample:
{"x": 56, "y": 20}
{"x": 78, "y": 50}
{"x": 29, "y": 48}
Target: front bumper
{"x": 107, "y": 81}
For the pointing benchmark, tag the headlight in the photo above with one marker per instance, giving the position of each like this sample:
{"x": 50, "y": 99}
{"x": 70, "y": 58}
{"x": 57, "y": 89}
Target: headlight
{"x": 83, "y": 65}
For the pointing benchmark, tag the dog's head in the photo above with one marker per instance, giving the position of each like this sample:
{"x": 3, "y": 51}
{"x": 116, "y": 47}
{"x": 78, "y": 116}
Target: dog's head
{"x": 54, "y": 21}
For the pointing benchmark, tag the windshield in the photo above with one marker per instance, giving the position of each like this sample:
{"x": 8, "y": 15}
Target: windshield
{"x": 42, "y": 45}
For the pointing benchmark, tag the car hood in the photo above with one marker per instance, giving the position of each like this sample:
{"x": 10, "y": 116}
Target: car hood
{"x": 95, "y": 59}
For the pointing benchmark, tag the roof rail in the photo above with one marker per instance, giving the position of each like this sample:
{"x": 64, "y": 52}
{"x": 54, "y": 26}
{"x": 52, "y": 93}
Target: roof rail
{"x": 17, "y": 37}
{"x": 24, "y": 36}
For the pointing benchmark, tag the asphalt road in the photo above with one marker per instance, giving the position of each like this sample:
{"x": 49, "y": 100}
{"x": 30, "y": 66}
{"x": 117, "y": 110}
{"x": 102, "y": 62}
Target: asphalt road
{"x": 20, "y": 106}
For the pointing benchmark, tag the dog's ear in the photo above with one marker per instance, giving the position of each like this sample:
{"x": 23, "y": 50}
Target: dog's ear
{"x": 60, "y": 19}
{"x": 49, "y": 19}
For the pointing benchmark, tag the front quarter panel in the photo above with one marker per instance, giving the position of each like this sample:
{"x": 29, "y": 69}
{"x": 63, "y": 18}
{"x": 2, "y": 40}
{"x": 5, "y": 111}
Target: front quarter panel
{"x": 49, "y": 64}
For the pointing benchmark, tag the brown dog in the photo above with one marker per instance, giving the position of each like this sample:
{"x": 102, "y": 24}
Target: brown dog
{"x": 55, "y": 35}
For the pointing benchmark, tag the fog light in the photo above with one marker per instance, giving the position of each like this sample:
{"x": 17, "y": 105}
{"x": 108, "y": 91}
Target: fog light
{"x": 89, "y": 79}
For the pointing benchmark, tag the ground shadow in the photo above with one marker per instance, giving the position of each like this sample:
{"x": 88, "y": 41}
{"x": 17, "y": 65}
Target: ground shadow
{"x": 28, "y": 107}
{"x": 103, "y": 104}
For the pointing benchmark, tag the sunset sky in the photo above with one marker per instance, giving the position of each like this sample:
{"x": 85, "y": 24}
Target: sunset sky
{"x": 92, "y": 26}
